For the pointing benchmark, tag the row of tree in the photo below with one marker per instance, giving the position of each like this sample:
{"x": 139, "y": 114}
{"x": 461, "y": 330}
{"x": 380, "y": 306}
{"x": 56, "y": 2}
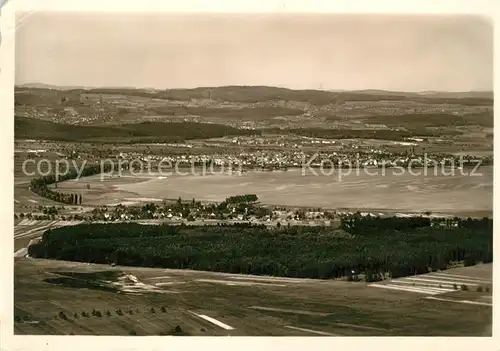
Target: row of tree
{"x": 312, "y": 252}
{"x": 41, "y": 187}
{"x": 75, "y": 199}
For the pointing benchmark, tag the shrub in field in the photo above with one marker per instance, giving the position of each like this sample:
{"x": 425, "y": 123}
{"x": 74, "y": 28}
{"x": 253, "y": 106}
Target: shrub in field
{"x": 479, "y": 289}
{"x": 62, "y": 315}
{"x": 17, "y": 319}
{"x": 487, "y": 289}
{"x": 108, "y": 313}
{"x": 119, "y": 312}
{"x": 132, "y": 332}
{"x": 455, "y": 286}
{"x": 98, "y": 314}
{"x": 163, "y": 309}
{"x": 94, "y": 312}
{"x": 464, "y": 287}
{"x": 178, "y": 329}
{"x": 203, "y": 330}
{"x": 130, "y": 312}
{"x": 75, "y": 315}
{"x": 152, "y": 310}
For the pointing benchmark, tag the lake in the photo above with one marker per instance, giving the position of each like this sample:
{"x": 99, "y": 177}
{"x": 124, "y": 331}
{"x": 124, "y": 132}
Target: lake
{"x": 459, "y": 191}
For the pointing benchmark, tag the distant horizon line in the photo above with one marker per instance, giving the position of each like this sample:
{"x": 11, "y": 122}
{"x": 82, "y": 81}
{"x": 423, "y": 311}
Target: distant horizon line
{"x": 70, "y": 87}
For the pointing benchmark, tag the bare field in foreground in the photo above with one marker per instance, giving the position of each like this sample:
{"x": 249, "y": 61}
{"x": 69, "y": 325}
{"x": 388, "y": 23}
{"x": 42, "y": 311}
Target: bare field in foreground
{"x": 156, "y": 301}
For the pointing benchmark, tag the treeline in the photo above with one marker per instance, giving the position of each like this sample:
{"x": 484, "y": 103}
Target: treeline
{"x": 412, "y": 120}
{"x": 371, "y": 225}
{"x": 375, "y": 247}
{"x": 397, "y": 135}
{"x": 429, "y": 99}
{"x": 40, "y": 185}
{"x": 31, "y": 128}
{"x": 368, "y": 225}
{"x": 237, "y": 199}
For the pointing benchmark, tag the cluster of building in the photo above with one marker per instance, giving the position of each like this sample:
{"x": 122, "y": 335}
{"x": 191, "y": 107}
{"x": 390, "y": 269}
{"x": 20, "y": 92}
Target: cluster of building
{"x": 212, "y": 213}
{"x": 190, "y": 211}
{"x": 292, "y": 159}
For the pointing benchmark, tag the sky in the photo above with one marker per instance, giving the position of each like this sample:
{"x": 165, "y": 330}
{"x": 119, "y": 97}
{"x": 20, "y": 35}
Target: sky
{"x": 322, "y": 51}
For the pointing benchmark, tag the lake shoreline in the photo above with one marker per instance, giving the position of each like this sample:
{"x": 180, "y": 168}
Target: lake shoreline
{"x": 459, "y": 195}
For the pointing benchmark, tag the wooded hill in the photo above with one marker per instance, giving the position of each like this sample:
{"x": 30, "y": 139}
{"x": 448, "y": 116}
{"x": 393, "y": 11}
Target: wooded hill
{"x": 30, "y": 128}
{"x": 251, "y": 94}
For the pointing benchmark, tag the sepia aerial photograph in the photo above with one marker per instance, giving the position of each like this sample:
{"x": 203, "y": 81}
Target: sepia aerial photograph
{"x": 258, "y": 174}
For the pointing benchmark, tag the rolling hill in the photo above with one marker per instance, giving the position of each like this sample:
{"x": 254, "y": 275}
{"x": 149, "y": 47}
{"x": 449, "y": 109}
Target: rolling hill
{"x": 268, "y": 93}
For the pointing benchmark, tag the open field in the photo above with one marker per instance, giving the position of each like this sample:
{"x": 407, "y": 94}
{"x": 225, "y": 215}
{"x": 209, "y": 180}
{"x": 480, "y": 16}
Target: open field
{"x": 467, "y": 195}
{"x": 28, "y": 201}
{"x": 438, "y": 283}
{"x": 206, "y": 303}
